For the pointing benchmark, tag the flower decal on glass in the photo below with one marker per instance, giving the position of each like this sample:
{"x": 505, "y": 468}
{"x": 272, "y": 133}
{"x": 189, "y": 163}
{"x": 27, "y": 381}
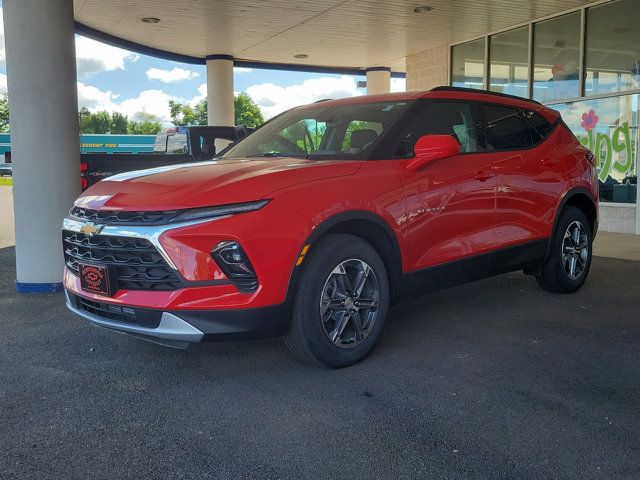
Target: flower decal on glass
{"x": 589, "y": 120}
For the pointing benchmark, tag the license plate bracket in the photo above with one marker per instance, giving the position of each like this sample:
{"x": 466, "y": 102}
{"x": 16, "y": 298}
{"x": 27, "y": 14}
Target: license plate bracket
{"x": 96, "y": 279}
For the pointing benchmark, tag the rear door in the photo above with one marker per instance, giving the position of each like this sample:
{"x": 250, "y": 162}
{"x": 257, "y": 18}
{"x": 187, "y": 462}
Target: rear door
{"x": 450, "y": 202}
{"x": 529, "y": 173}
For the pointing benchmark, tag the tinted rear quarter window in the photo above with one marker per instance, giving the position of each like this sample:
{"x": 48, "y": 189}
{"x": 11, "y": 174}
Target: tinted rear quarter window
{"x": 540, "y": 127}
{"x": 505, "y": 128}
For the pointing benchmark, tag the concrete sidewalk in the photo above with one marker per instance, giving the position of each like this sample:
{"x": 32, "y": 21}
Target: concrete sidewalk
{"x": 617, "y": 245}
{"x": 7, "y": 233}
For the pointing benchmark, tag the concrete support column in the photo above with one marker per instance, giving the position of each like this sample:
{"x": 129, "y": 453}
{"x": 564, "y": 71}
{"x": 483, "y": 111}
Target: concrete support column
{"x": 45, "y": 147}
{"x": 378, "y": 80}
{"x": 220, "y": 90}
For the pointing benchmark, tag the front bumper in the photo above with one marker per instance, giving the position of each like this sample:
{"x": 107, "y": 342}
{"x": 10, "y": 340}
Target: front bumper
{"x": 179, "y": 328}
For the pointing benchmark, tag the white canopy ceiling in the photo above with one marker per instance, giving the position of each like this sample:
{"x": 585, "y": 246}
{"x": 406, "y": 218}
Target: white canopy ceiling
{"x": 333, "y": 33}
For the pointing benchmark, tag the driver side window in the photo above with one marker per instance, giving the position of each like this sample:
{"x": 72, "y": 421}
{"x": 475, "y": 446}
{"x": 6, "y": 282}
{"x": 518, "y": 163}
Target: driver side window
{"x": 440, "y": 118}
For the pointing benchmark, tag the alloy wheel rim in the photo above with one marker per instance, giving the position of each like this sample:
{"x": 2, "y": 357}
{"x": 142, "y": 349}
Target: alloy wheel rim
{"x": 575, "y": 250}
{"x": 350, "y": 303}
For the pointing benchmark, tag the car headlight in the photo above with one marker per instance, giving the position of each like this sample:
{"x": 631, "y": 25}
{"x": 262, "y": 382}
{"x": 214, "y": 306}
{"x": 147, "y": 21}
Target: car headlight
{"x": 219, "y": 211}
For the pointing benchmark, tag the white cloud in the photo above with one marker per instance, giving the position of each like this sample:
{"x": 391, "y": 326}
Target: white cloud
{"x": 241, "y": 70}
{"x": 155, "y": 102}
{"x": 94, "y": 99}
{"x": 274, "y": 99}
{"x": 202, "y": 94}
{"x": 91, "y": 56}
{"x": 94, "y": 57}
{"x": 174, "y": 75}
{"x": 3, "y": 84}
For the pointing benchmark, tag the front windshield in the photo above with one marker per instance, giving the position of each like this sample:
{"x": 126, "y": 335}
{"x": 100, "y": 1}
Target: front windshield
{"x": 321, "y": 131}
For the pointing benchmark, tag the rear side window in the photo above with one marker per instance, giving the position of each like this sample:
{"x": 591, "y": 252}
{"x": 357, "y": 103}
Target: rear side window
{"x": 505, "y": 129}
{"x": 539, "y": 125}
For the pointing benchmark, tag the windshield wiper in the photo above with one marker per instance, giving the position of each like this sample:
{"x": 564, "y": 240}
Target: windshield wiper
{"x": 275, "y": 154}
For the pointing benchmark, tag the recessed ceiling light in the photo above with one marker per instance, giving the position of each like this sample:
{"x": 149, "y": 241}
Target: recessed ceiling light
{"x": 422, "y": 9}
{"x": 150, "y": 20}
{"x": 301, "y": 55}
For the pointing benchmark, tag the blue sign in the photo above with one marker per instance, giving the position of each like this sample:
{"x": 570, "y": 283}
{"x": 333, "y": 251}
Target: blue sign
{"x": 92, "y": 143}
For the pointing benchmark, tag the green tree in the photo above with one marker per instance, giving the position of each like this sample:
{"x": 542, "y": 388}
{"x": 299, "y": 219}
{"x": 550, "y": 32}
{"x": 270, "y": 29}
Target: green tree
{"x": 247, "y": 112}
{"x": 119, "y": 123}
{"x": 4, "y": 114}
{"x": 145, "y": 124}
{"x": 94, "y": 122}
{"x": 84, "y": 120}
{"x": 187, "y": 115}
{"x": 101, "y": 122}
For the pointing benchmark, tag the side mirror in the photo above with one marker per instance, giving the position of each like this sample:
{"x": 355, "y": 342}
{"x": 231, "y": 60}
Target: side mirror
{"x": 429, "y": 148}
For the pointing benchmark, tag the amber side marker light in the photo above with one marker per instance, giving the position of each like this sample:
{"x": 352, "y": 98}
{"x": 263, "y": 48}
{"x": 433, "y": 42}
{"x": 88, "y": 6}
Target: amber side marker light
{"x": 303, "y": 252}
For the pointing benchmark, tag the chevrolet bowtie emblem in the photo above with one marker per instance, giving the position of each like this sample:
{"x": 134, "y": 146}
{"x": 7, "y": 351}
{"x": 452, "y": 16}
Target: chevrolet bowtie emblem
{"x": 90, "y": 229}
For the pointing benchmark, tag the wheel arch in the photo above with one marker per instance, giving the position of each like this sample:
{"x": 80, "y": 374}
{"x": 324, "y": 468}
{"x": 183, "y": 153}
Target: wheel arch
{"x": 370, "y": 227}
{"x": 581, "y": 198}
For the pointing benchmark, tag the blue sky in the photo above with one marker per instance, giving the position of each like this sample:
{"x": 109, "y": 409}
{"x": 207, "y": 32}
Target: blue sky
{"x": 113, "y": 79}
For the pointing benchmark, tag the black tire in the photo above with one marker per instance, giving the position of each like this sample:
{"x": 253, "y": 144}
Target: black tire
{"x": 308, "y": 339}
{"x": 554, "y": 276}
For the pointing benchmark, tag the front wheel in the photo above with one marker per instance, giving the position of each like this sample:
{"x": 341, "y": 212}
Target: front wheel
{"x": 341, "y": 302}
{"x": 567, "y": 267}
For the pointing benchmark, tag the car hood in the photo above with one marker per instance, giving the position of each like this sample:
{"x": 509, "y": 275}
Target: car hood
{"x": 210, "y": 183}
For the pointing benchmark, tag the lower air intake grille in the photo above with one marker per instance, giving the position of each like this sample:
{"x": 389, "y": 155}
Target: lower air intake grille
{"x": 149, "y": 319}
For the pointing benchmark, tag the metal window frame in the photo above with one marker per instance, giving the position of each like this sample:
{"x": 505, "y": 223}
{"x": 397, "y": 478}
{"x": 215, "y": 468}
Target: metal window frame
{"x": 531, "y": 24}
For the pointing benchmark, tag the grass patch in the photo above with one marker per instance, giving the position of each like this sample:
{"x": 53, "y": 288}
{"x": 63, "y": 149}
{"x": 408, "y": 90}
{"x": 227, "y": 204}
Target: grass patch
{"x": 6, "y": 181}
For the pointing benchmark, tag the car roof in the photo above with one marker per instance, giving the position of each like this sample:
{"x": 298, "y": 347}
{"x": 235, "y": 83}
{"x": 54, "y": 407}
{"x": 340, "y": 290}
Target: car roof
{"x": 451, "y": 93}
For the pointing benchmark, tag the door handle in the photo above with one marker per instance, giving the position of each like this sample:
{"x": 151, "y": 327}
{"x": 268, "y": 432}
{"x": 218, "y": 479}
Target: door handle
{"x": 483, "y": 175}
{"x": 550, "y": 162}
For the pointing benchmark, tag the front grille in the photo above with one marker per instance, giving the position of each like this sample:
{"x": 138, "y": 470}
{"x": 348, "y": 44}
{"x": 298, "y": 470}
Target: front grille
{"x": 105, "y": 217}
{"x": 136, "y": 262}
{"x": 144, "y": 318}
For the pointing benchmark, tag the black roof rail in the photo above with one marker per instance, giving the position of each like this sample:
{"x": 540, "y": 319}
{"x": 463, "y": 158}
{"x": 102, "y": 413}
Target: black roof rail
{"x": 323, "y": 100}
{"x": 484, "y": 92}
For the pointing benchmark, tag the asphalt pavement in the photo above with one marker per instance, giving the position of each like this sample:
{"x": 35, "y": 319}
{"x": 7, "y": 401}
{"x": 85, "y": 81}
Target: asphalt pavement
{"x": 491, "y": 380}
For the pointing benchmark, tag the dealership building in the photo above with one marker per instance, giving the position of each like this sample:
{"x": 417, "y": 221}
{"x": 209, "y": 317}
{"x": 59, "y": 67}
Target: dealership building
{"x": 581, "y": 58}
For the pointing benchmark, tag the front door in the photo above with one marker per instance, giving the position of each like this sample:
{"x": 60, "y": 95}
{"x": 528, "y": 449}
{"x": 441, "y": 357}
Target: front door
{"x": 450, "y": 202}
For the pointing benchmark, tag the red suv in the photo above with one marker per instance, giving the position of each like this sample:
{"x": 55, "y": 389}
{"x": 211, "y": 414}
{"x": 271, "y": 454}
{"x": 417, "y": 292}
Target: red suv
{"x": 312, "y": 225}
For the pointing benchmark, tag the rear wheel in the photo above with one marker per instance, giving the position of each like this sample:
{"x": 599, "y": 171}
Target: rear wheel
{"x": 567, "y": 267}
{"x": 341, "y": 302}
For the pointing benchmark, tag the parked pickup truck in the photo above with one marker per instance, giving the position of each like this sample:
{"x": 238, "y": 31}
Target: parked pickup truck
{"x": 173, "y": 146}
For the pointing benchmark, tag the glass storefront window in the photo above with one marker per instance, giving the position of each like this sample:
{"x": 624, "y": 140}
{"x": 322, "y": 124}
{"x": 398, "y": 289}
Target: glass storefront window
{"x": 509, "y": 62}
{"x": 467, "y": 64}
{"x": 556, "y": 52}
{"x": 613, "y": 47}
{"x": 609, "y": 128}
